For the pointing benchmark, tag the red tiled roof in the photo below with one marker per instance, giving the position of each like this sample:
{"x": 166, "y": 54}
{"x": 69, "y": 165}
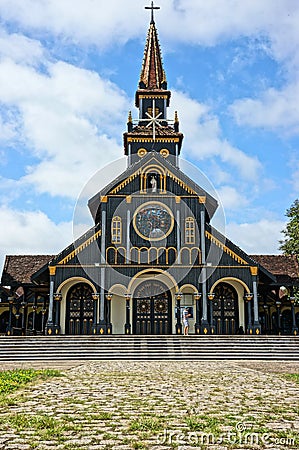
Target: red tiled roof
{"x": 152, "y": 73}
{"x": 19, "y": 268}
{"x": 279, "y": 265}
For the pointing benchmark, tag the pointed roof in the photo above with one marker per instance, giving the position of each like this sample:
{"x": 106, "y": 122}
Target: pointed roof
{"x": 152, "y": 73}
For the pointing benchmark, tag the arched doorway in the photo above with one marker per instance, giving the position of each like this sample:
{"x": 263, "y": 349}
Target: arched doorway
{"x": 79, "y": 309}
{"x": 225, "y": 309}
{"x": 152, "y": 308}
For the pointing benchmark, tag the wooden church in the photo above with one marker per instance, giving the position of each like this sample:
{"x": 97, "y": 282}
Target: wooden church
{"x": 151, "y": 252}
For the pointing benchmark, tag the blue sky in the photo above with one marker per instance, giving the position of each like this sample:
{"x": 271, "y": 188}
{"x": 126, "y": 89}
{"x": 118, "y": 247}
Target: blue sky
{"x": 68, "y": 75}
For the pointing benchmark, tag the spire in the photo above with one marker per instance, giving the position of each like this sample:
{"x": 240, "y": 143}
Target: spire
{"x": 152, "y": 73}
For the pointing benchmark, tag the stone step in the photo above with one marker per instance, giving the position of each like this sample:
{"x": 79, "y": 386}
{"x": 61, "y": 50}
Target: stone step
{"x": 39, "y": 348}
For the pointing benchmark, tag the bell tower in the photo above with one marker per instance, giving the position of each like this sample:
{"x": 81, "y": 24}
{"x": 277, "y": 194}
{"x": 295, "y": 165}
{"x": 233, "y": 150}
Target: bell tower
{"x": 152, "y": 131}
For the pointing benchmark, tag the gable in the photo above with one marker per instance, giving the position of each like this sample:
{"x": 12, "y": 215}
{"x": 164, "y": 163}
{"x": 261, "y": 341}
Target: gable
{"x": 137, "y": 177}
{"x": 230, "y": 254}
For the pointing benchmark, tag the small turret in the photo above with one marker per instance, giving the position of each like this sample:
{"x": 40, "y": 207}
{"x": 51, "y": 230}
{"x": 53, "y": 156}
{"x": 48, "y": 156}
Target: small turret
{"x": 130, "y": 122}
{"x": 176, "y": 122}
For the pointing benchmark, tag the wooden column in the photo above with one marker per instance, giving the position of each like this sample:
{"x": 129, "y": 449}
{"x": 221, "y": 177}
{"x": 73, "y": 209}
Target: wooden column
{"x": 256, "y": 323}
{"x": 50, "y": 323}
{"x": 204, "y": 321}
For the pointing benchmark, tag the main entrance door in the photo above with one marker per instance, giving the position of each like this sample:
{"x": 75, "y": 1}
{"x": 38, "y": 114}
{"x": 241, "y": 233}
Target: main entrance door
{"x": 225, "y": 309}
{"x": 79, "y": 312}
{"x": 152, "y": 308}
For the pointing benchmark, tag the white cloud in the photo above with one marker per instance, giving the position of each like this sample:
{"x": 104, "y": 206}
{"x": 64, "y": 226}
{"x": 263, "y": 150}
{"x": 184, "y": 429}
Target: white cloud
{"x": 203, "y": 137}
{"x": 20, "y": 48}
{"x": 206, "y": 23}
{"x": 42, "y": 235}
{"x": 7, "y": 130}
{"x": 231, "y": 198}
{"x": 69, "y": 119}
{"x": 260, "y": 237}
{"x": 88, "y": 22}
{"x": 275, "y": 109}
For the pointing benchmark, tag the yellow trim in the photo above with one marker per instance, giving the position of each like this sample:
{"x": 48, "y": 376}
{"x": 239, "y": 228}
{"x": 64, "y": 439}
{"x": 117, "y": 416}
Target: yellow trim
{"x": 143, "y": 179}
{"x": 116, "y": 251}
{"x": 143, "y": 171}
{"x": 118, "y": 290}
{"x": 153, "y": 95}
{"x": 104, "y": 198}
{"x": 202, "y": 199}
{"x": 254, "y": 270}
{"x": 188, "y": 286}
{"x": 159, "y": 274}
{"x": 190, "y": 230}
{"x": 225, "y": 248}
{"x": 151, "y": 167}
{"x": 52, "y": 270}
{"x": 227, "y": 280}
{"x": 116, "y": 230}
{"x": 80, "y": 248}
{"x": 180, "y": 183}
{"x": 152, "y": 265}
{"x": 70, "y": 282}
{"x": 177, "y": 199}
{"x": 149, "y": 139}
{"x": 126, "y": 181}
{"x": 191, "y": 252}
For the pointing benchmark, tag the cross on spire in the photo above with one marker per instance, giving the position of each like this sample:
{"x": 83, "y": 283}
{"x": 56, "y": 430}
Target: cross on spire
{"x": 152, "y": 7}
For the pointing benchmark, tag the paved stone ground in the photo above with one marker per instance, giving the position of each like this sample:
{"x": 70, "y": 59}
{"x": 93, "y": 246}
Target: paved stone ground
{"x": 155, "y": 405}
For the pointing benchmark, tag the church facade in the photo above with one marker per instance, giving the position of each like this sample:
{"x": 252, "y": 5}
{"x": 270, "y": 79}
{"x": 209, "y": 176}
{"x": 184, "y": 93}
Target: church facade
{"x": 151, "y": 252}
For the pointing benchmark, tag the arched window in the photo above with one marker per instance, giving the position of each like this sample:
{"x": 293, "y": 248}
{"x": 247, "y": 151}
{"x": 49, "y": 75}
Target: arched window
{"x": 189, "y": 230}
{"x": 116, "y": 230}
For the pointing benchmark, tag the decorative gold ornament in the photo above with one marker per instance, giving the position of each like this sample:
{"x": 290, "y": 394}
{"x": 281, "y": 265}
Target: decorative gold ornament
{"x": 52, "y": 270}
{"x": 141, "y": 152}
{"x": 164, "y": 152}
{"x": 57, "y": 296}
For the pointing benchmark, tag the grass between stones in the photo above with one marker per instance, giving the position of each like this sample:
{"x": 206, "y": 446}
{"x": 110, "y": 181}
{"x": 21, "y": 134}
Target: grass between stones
{"x": 10, "y": 380}
{"x": 149, "y": 405}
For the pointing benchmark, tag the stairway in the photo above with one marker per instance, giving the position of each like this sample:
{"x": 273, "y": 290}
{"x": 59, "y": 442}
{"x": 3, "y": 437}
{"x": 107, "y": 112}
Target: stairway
{"x": 43, "y": 348}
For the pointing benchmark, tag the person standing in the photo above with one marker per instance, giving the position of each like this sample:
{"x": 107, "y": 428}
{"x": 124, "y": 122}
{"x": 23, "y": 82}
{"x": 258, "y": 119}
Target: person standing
{"x": 186, "y": 315}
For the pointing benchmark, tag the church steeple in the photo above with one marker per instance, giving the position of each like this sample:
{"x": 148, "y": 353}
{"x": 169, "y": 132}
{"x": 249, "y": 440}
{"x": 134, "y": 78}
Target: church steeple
{"x": 152, "y": 132}
{"x": 152, "y": 73}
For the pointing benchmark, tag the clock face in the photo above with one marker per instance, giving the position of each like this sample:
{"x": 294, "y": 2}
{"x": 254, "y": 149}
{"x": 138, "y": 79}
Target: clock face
{"x": 153, "y": 221}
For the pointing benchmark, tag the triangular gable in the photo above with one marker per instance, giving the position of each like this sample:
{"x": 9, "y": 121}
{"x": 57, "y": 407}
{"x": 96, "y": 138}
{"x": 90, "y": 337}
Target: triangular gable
{"x": 237, "y": 255}
{"x": 136, "y": 170}
{"x": 69, "y": 253}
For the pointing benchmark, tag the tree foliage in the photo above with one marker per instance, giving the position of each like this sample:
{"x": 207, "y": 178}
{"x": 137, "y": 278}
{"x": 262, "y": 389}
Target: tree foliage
{"x": 290, "y": 244}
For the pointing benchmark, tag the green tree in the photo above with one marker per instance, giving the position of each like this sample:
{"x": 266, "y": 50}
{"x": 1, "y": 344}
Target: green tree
{"x": 290, "y": 244}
